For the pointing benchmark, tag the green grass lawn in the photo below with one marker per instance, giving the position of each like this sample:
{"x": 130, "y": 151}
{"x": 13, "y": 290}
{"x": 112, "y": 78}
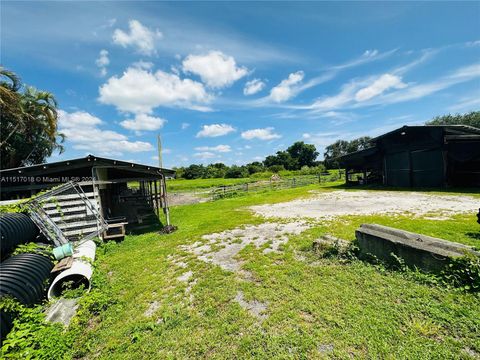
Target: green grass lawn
{"x": 176, "y": 185}
{"x": 316, "y": 307}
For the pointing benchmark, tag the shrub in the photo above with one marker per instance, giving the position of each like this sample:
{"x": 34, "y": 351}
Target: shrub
{"x": 276, "y": 168}
{"x": 32, "y": 337}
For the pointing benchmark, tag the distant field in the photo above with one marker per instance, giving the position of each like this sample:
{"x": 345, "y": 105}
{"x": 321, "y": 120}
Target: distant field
{"x": 198, "y": 184}
{"x": 187, "y": 185}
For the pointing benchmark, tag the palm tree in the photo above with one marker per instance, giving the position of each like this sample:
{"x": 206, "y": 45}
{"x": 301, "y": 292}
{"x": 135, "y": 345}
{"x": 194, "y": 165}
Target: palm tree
{"x": 29, "y": 122}
{"x": 11, "y": 110}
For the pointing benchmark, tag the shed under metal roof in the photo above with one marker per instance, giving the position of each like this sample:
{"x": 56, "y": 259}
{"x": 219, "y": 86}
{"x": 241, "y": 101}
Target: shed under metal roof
{"x": 88, "y": 161}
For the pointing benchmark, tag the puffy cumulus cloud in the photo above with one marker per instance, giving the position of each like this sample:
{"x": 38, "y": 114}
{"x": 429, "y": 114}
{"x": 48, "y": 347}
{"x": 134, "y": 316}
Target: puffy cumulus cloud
{"x": 262, "y": 134}
{"x": 216, "y": 69}
{"x": 205, "y": 155}
{"x": 102, "y": 62}
{"x": 215, "y": 130}
{"x": 286, "y": 89}
{"x": 218, "y": 148}
{"x": 140, "y": 90}
{"x": 254, "y": 86}
{"x": 143, "y": 122}
{"x": 380, "y": 85}
{"x": 138, "y": 36}
{"x": 77, "y": 119}
{"x": 83, "y": 131}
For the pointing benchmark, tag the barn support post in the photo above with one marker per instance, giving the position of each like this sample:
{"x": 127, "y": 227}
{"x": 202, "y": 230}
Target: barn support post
{"x": 157, "y": 198}
{"x": 150, "y": 194}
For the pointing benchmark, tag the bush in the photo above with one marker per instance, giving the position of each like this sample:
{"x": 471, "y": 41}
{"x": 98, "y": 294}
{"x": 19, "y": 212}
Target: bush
{"x": 32, "y": 337}
{"x": 276, "y": 168}
{"x": 464, "y": 272}
{"x": 236, "y": 172}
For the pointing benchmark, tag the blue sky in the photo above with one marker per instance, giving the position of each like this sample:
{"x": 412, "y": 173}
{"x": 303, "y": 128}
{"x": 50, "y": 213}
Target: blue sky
{"x": 234, "y": 82}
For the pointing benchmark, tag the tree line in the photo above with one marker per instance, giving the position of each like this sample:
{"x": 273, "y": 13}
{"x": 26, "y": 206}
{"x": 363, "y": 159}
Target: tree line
{"x": 299, "y": 158}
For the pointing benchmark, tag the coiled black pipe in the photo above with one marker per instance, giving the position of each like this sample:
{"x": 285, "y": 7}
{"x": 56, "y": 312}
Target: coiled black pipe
{"x": 15, "y": 229}
{"x": 23, "y": 277}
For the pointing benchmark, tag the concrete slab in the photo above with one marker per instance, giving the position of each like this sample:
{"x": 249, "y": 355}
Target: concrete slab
{"x": 421, "y": 251}
{"x": 62, "y": 311}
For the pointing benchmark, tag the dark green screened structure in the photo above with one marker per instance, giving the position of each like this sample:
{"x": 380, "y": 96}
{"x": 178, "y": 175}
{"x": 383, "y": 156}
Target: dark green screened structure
{"x": 419, "y": 156}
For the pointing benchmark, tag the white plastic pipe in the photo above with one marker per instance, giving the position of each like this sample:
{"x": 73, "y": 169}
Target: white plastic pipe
{"x": 80, "y": 272}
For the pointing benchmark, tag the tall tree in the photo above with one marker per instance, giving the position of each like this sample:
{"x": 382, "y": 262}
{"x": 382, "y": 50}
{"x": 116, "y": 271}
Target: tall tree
{"x": 282, "y": 158}
{"x": 304, "y": 154}
{"x": 343, "y": 147}
{"x": 29, "y": 123}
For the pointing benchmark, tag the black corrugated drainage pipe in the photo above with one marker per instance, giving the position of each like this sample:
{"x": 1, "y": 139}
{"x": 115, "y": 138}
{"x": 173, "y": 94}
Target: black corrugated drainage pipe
{"x": 16, "y": 229}
{"x": 23, "y": 277}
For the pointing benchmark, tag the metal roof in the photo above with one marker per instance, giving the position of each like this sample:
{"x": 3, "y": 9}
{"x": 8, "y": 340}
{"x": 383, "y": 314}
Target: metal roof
{"x": 88, "y": 161}
{"x": 359, "y": 153}
{"x": 453, "y": 129}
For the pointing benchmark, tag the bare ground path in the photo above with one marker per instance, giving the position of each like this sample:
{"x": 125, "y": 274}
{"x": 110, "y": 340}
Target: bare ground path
{"x": 327, "y": 205}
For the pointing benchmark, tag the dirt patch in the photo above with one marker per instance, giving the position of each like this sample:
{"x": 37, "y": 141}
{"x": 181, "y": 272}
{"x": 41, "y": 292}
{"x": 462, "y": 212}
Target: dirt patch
{"x": 185, "y": 277}
{"x": 186, "y": 198}
{"x": 337, "y": 203}
{"x": 152, "y": 308}
{"x": 222, "y": 248}
{"x": 254, "y": 307}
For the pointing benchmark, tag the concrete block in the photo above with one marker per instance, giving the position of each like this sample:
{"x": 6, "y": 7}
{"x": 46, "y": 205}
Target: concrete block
{"x": 424, "y": 252}
{"x": 62, "y": 311}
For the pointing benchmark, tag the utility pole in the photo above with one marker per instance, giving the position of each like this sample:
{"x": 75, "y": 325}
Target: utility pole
{"x": 159, "y": 144}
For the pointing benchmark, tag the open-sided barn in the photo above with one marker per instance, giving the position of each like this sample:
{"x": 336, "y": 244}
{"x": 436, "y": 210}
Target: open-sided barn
{"x": 119, "y": 189}
{"x": 419, "y": 156}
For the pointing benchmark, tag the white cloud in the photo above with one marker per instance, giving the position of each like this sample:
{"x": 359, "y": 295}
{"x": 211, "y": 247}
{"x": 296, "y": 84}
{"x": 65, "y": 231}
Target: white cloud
{"x": 216, "y": 69}
{"x": 285, "y": 90}
{"x": 253, "y": 87}
{"x": 327, "y": 138}
{"x": 458, "y": 76}
{"x": 346, "y": 94}
{"x": 141, "y": 64}
{"x": 380, "y": 85}
{"x": 473, "y": 43}
{"x": 103, "y": 61}
{"x": 306, "y": 136}
{"x": 218, "y": 148}
{"x": 362, "y": 93}
{"x": 205, "y": 155}
{"x": 366, "y": 57}
{"x": 467, "y": 103}
{"x": 185, "y": 126}
{"x": 215, "y": 130}
{"x": 139, "y": 36}
{"x": 83, "y": 131}
{"x": 143, "y": 122}
{"x": 262, "y": 134}
{"x": 140, "y": 91}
